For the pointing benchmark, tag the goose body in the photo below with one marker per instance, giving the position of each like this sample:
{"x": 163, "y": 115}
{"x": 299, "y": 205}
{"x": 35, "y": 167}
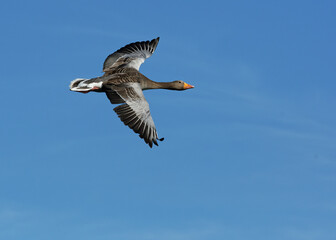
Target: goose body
{"x": 124, "y": 84}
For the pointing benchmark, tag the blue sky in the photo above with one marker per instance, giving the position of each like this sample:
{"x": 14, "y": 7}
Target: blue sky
{"x": 249, "y": 153}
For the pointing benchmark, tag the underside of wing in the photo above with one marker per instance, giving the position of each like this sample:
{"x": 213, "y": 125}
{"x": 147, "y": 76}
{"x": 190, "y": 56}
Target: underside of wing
{"x": 139, "y": 123}
{"x": 132, "y": 55}
{"x": 135, "y": 111}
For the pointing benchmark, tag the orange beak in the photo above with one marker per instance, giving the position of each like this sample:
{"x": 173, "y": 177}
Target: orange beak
{"x": 187, "y": 86}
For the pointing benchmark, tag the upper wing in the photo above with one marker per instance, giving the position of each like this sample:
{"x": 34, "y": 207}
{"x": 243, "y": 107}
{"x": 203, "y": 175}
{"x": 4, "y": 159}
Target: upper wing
{"x": 135, "y": 110}
{"x": 132, "y": 55}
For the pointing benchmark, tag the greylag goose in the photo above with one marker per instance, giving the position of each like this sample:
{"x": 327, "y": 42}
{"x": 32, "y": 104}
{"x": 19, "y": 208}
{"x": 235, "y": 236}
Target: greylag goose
{"x": 123, "y": 84}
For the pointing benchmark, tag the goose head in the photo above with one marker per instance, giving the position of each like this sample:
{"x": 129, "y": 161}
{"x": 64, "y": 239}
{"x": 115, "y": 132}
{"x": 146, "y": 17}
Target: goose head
{"x": 180, "y": 85}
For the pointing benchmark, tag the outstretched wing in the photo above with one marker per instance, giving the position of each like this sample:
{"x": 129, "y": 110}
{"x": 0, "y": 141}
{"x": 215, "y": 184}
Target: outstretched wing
{"x": 132, "y": 55}
{"x": 134, "y": 112}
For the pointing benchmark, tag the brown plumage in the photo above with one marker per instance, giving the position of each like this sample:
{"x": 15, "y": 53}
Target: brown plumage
{"x": 123, "y": 84}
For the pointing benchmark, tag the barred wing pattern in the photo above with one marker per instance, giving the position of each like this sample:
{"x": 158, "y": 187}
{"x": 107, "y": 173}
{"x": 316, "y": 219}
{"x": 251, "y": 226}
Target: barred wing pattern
{"x": 132, "y": 55}
{"x": 135, "y": 111}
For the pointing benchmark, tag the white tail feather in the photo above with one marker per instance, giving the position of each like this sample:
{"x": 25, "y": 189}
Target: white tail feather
{"x": 80, "y": 85}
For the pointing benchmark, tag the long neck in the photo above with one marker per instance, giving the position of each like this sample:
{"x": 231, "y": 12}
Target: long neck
{"x": 157, "y": 85}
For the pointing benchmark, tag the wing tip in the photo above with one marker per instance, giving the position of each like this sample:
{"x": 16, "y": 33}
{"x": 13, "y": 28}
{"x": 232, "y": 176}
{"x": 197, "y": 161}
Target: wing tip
{"x": 112, "y": 58}
{"x": 150, "y": 142}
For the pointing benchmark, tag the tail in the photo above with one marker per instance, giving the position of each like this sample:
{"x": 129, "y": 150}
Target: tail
{"x": 85, "y": 85}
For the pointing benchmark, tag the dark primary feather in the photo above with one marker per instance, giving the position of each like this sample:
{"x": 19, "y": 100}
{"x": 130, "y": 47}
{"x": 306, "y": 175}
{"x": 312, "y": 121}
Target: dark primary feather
{"x": 135, "y": 111}
{"x": 137, "y": 123}
{"x": 137, "y": 51}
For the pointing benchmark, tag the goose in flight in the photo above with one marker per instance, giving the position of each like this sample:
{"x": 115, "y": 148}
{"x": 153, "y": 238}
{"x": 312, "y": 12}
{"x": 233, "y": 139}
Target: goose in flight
{"x": 123, "y": 84}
